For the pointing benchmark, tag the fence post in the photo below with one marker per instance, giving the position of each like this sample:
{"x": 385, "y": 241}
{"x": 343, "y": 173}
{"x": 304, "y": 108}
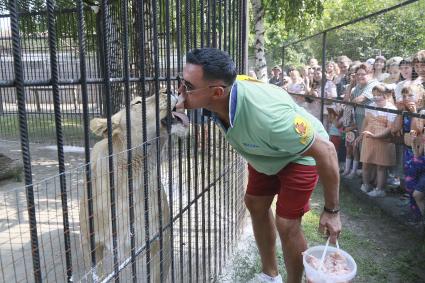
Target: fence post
{"x": 126, "y": 74}
{"x": 23, "y": 129}
{"x": 244, "y": 36}
{"x": 140, "y": 4}
{"x": 51, "y": 23}
{"x": 322, "y": 87}
{"x": 84, "y": 93}
{"x": 105, "y": 17}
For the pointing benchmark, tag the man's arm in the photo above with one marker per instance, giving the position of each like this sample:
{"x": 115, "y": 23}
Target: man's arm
{"x": 323, "y": 151}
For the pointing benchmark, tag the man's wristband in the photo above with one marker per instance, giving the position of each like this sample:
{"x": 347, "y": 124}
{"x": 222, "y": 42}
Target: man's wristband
{"x": 332, "y": 211}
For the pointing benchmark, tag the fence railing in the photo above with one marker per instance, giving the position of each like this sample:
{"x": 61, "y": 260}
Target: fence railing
{"x": 147, "y": 208}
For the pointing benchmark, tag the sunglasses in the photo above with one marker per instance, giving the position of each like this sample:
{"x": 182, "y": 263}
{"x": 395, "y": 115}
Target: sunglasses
{"x": 188, "y": 89}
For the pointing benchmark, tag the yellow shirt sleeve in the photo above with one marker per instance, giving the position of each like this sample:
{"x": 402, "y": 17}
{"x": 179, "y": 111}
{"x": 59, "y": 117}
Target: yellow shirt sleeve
{"x": 247, "y": 78}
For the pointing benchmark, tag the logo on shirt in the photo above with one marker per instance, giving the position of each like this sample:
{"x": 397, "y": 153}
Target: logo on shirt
{"x": 303, "y": 129}
{"x": 250, "y": 145}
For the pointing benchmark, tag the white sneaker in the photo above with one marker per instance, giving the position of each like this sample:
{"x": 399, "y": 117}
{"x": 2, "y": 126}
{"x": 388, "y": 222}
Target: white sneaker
{"x": 264, "y": 278}
{"x": 376, "y": 193}
{"x": 351, "y": 175}
{"x": 393, "y": 181}
{"x": 365, "y": 188}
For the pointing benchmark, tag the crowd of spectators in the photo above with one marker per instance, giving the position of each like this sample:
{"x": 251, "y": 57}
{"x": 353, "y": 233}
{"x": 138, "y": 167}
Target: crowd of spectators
{"x": 383, "y": 148}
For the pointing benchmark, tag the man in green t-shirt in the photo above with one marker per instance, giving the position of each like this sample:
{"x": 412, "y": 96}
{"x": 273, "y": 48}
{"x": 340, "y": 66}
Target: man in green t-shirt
{"x": 286, "y": 148}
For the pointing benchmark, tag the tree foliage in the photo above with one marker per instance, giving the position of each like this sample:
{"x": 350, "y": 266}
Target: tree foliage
{"x": 397, "y": 33}
{"x": 282, "y": 19}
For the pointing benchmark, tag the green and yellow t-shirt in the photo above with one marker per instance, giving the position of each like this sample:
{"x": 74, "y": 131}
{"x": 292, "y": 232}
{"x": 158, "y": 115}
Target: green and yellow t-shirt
{"x": 268, "y": 128}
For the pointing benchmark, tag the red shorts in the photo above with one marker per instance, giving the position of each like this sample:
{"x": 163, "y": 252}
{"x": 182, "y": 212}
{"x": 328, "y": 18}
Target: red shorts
{"x": 293, "y": 184}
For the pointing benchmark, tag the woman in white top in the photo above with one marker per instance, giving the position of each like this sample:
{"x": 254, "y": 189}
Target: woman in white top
{"x": 332, "y": 71}
{"x": 379, "y": 69}
{"x": 316, "y": 90}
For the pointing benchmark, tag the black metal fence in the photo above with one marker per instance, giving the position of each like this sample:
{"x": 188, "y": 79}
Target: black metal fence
{"x": 152, "y": 209}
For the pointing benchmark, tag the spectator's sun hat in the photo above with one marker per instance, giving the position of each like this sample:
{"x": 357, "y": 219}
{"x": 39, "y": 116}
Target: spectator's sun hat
{"x": 370, "y": 61}
{"x": 277, "y": 68}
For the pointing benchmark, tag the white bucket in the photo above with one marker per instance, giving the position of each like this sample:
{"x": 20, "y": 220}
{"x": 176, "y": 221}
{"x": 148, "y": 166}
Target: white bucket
{"x": 316, "y": 276}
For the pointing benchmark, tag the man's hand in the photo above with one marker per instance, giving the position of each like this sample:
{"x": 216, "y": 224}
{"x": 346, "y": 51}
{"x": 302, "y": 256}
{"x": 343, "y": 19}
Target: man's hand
{"x": 330, "y": 225}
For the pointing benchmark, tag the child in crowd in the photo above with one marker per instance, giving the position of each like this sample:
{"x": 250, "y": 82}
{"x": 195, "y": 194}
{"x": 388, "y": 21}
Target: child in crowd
{"x": 396, "y": 171}
{"x": 412, "y": 101}
{"x": 349, "y": 127}
{"x": 335, "y": 126}
{"x": 408, "y": 74}
{"x": 417, "y": 175}
{"x": 376, "y": 152}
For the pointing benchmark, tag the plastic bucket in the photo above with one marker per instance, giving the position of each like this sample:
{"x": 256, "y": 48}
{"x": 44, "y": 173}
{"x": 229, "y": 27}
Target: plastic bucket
{"x": 315, "y": 276}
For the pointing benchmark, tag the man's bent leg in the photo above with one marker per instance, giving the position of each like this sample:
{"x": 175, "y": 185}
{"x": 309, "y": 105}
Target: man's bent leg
{"x": 298, "y": 182}
{"x": 264, "y": 231}
{"x": 293, "y": 244}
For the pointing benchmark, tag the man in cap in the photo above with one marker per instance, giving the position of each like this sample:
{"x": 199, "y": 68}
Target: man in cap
{"x": 276, "y": 79}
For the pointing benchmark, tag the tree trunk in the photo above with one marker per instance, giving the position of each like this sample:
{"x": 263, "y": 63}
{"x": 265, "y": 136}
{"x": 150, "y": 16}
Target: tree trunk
{"x": 10, "y": 168}
{"x": 260, "y": 55}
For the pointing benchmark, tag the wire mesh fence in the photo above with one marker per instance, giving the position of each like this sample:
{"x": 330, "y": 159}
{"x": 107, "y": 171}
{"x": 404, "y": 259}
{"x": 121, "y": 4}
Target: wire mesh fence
{"x": 147, "y": 207}
{"x": 191, "y": 227}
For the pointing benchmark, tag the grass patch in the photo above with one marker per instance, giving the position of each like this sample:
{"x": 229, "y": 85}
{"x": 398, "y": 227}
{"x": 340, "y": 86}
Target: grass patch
{"x": 42, "y": 128}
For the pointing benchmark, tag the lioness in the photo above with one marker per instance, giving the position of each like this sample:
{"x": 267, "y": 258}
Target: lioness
{"x": 102, "y": 197}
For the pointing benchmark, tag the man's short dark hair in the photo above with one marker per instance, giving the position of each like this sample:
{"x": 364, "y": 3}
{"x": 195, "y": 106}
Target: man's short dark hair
{"x": 216, "y": 64}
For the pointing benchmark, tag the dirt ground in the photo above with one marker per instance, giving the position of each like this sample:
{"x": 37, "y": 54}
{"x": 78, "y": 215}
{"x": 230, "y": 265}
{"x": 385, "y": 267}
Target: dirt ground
{"x": 43, "y": 160}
